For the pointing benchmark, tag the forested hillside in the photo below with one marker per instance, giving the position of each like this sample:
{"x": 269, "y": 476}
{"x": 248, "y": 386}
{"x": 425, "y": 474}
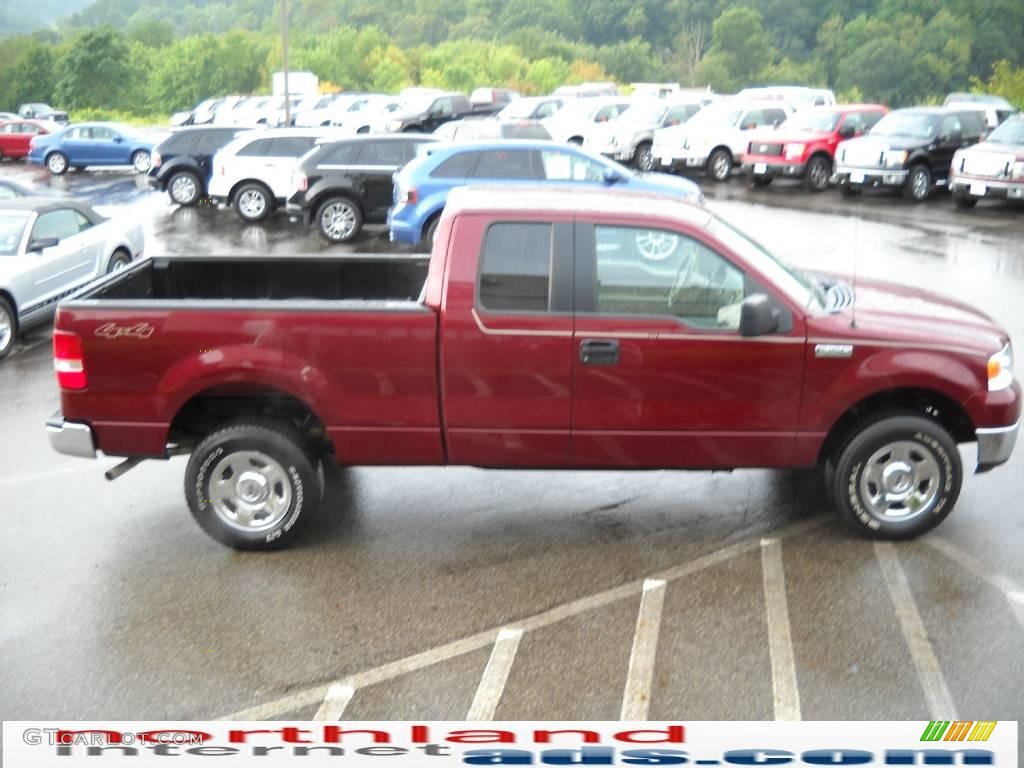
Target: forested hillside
{"x": 160, "y": 55}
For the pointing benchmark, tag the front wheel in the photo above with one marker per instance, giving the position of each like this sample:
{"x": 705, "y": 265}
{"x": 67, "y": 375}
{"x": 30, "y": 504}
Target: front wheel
{"x": 817, "y": 174}
{"x": 720, "y": 164}
{"x": 964, "y": 200}
{"x": 918, "y": 185}
{"x": 57, "y": 163}
{"x": 898, "y": 477}
{"x": 184, "y": 188}
{"x": 251, "y": 484}
{"x": 253, "y": 202}
{"x": 141, "y": 161}
{"x": 759, "y": 182}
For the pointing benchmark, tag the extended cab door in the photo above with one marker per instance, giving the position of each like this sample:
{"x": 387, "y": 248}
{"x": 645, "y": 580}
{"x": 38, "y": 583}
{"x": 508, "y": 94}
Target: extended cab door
{"x": 663, "y": 377}
{"x": 506, "y": 342}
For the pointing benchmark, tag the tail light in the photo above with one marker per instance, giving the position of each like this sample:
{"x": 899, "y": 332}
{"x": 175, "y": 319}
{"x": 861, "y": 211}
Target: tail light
{"x": 300, "y": 182}
{"x": 410, "y": 198}
{"x": 155, "y": 160}
{"x": 68, "y": 360}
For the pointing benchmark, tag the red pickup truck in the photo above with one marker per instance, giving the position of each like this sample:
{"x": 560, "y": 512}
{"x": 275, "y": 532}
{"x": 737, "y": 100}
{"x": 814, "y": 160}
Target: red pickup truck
{"x": 548, "y": 329}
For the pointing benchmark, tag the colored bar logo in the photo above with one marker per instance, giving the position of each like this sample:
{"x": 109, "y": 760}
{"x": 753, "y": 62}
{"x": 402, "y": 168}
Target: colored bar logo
{"x": 958, "y": 730}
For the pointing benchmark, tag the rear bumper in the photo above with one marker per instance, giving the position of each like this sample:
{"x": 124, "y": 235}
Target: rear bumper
{"x": 70, "y": 438}
{"x": 995, "y": 445}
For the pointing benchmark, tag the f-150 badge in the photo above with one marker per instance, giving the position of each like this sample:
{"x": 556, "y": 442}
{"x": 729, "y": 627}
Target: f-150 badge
{"x": 114, "y": 331}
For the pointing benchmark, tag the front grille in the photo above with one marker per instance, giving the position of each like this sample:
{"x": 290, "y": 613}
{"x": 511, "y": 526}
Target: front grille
{"x": 771, "y": 150}
{"x": 985, "y": 164}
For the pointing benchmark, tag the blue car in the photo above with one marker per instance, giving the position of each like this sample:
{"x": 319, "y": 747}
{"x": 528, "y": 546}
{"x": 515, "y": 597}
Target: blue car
{"x": 422, "y": 186}
{"x": 85, "y": 144}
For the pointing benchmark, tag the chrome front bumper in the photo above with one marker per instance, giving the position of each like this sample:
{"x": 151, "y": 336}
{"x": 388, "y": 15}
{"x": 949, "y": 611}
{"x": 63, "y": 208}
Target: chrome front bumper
{"x": 70, "y": 438}
{"x": 995, "y": 445}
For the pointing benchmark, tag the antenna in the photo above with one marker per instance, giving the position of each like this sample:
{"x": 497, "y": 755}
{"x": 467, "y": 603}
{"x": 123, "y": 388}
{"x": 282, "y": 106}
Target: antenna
{"x": 856, "y": 229}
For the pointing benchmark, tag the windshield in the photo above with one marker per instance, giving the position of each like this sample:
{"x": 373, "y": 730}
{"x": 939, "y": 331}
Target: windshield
{"x": 12, "y": 227}
{"x": 792, "y": 281}
{"x": 718, "y": 114}
{"x": 644, "y": 114}
{"x": 817, "y": 121}
{"x": 418, "y": 103}
{"x": 1010, "y": 132}
{"x": 521, "y": 109}
{"x": 917, "y": 125}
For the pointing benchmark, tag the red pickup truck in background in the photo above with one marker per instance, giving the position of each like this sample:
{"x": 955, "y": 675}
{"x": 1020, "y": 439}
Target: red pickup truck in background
{"x": 549, "y": 329}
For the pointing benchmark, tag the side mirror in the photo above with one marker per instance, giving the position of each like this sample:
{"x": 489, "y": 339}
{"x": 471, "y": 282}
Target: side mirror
{"x": 611, "y": 176}
{"x": 847, "y": 132}
{"x": 757, "y": 316}
{"x": 41, "y": 243}
{"x": 118, "y": 139}
{"x": 950, "y": 138}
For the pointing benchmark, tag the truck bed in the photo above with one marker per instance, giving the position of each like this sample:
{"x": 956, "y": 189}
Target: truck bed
{"x": 313, "y": 278}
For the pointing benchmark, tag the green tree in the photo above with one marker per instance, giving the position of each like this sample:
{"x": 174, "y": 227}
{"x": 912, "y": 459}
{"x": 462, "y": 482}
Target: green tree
{"x": 94, "y": 70}
{"x": 33, "y": 76}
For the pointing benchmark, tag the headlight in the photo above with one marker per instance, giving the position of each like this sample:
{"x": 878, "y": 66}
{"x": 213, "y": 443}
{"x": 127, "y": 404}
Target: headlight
{"x": 155, "y": 160}
{"x": 894, "y": 158}
{"x": 958, "y": 159}
{"x": 1017, "y": 172}
{"x": 795, "y": 150}
{"x": 1000, "y": 369}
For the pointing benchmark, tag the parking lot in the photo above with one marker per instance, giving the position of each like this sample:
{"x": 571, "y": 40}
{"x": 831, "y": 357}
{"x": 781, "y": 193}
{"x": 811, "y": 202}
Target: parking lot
{"x": 454, "y": 593}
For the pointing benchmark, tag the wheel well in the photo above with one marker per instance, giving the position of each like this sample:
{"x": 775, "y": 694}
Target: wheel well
{"x": 823, "y": 154}
{"x": 242, "y": 183}
{"x": 574, "y": 140}
{"x": 724, "y": 149}
{"x": 14, "y": 307}
{"x": 326, "y": 195}
{"x": 206, "y": 411}
{"x": 430, "y": 220}
{"x": 120, "y": 249}
{"x": 919, "y": 160}
{"x": 927, "y": 402}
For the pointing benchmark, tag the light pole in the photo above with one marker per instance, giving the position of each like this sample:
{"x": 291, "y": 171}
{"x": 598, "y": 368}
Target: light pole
{"x": 284, "y": 37}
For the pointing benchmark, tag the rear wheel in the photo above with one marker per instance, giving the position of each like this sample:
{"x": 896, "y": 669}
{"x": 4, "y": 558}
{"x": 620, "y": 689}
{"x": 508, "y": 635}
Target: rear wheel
{"x": 119, "y": 261}
{"x": 251, "y": 484}
{"x": 964, "y": 200}
{"x": 8, "y": 328}
{"x": 643, "y": 158}
{"x": 720, "y": 164}
{"x": 817, "y": 174}
{"x": 184, "y": 188}
{"x": 429, "y": 232}
{"x": 253, "y": 202}
{"x": 918, "y": 184}
{"x": 339, "y": 220}
{"x": 848, "y": 190}
{"x": 760, "y": 181}
{"x": 141, "y": 161}
{"x": 897, "y": 477}
{"x": 57, "y": 163}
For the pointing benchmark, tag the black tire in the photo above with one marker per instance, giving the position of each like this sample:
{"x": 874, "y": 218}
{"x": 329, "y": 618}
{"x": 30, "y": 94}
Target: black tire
{"x": 343, "y": 222}
{"x": 427, "y": 242}
{"x": 817, "y": 174}
{"x": 760, "y": 182}
{"x": 246, "y": 201}
{"x": 848, "y": 190}
{"x": 57, "y": 163}
{"x": 918, "y": 185}
{"x": 913, "y": 453}
{"x": 720, "y": 164}
{"x": 246, "y": 451}
{"x": 964, "y": 200}
{"x": 119, "y": 260}
{"x": 8, "y": 328}
{"x": 577, "y": 140}
{"x": 642, "y": 158}
{"x": 184, "y": 188}
{"x": 413, "y": 129}
{"x": 1, "y": 153}
{"x": 141, "y": 161}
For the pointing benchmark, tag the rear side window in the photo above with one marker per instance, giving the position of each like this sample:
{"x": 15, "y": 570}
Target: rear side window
{"x": 181, "y": 143}
{"x": 505, "y": 164}
{"x": 291, "y": 146}
{"x": 383, "y": 153}
{"x": 258, "y": 148}
{"x": 210, "y": 141}
{"x": 515, "y": 271}
{"x": 456, "y": 166}
{"x": 972, "y": 125}
{"x": 60, "y": 224}
{"x": 339, "y": 154}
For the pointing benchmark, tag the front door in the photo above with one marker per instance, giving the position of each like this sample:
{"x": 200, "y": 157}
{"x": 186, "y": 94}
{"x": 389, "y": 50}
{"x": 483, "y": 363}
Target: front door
{"x": 506, "y": 342}
{"x": 61, "y": 267}
{"x": 663, "y": 377}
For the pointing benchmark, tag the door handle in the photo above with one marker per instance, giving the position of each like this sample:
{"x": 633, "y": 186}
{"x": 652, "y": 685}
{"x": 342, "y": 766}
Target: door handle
{"x": 599, "y": 352}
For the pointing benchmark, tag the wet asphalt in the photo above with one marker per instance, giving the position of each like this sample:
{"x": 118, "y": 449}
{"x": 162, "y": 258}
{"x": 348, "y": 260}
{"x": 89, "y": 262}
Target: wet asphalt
{"x": 114, "y": 605}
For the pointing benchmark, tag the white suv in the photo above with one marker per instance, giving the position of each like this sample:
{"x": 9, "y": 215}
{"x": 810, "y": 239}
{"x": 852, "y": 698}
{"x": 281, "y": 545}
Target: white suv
{"x": 254, "y": 172}
{"x": 716, "y": 137}
{"x": 574, "y": 121}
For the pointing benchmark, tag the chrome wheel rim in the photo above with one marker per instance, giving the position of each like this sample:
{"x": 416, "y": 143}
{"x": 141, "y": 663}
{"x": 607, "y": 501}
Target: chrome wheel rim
{"x": 819, "y": 176}
{"x": 250, "y": 491}
{"x": 655, "y": 245}
{"x": 920, "y": 183}
{"x": 901, "y": 481}
{"x": 6, "y": 330}
{"x": 252, "y": 204}
{"x": 720, "y": 168}
{"x": 119, "y": 264}
{"x": 184, "y": 189}
{"x": 141, "y": 161}
{"x": 57, "y": 164}
{"x": 644, "y": 160}
{"x": 338, "y": 221}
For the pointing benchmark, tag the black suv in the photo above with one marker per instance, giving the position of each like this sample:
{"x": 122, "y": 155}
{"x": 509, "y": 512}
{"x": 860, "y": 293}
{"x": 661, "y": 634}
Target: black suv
{"x": 908, "y": 148}
{"x": 182, "y": 163}
{"x": 425, "y": 113}
{"x": 343, "y": 184}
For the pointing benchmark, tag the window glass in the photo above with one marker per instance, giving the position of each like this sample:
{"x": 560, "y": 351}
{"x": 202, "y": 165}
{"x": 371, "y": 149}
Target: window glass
{"x": 753, "y": 119}
{"x": 515, "y": 272}
{"x": 258, "y": 148}
{"x": 505, "y": 164}
{"x": 870, "y": 118}
{"x": 12, "y": 227}
{"x": 340, "y": 154}
{"x": 456, "y": 166}
{"x": 291, "y": 146}
{"x": 182, "y": 143}
{"x": 950, "y": 127}
{"x": 677, "y": 115}
{"x": 442, "y": 107}
{"x": 83, "y": 223}
{"x": 547, "y": 109}
{"x": 654, "y": 272}
{"x": 9, "y": 128}
{"x": 973, "y": 124}
{"x": 384, "y": 153}
{"x": 561, "y": 165}
{"x": 75, "y": 133}
{"x": 99, "y": 133}
{"x": 210, "y": 141}
{"x": 460, "y": 104}
{"x": 61, "y": 224}
{"x": 773, "y": 116}
{"x": 6, "y": 193}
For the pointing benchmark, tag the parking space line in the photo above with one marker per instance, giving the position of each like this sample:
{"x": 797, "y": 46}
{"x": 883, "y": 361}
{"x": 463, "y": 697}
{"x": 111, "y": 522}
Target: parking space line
{"x": 786, "y": 693}
{"x": 391, "y": 670}
{"x": 33, "y": 477}
{"x": 1011, "y": 590}
{"x": 334, "y": 703}
{"x": 492, "y": 682}
{"x": 636, "y": 697}
{"x": 933, "y": 683}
